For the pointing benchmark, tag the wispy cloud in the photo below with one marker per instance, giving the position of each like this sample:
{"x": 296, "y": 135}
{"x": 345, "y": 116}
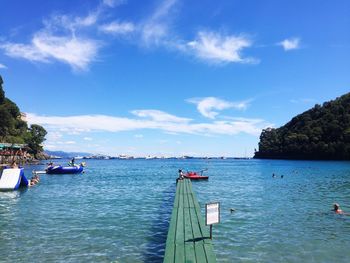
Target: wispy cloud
{"x": 113, "y": 3}
{"x": 148, "y": 119}
{"x": 2, "y": 66}
{"x": 58, "y": 41}
{"x": 290, "y": 44}
{"x": 155, "y": 29}
{"x": 218, "y": 48}
{"x": 87, "y": 139}
{"x": 74, "y": 40}
{"x": 117, "y": 28}
{"x": 303, "y": 101}
{"x": 207, "y": 106}
{"x": 159, "y": 116}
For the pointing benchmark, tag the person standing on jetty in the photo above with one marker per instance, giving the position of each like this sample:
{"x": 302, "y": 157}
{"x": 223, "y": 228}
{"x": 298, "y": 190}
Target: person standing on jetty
{"x": 181, "y": 175}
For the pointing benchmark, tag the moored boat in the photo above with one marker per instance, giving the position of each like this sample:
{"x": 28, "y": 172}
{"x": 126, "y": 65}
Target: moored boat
{"x": 196, "y": 176}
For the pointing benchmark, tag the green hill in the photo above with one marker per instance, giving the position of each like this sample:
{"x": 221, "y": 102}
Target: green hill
{"x": 13, "y": 129}
{"x": 321, "y": 133}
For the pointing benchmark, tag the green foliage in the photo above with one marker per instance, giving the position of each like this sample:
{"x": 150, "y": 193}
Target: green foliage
{"x": 322, "y": 132}
{"x": 35, "y": 138}
{"x": 14, "y": 130}
{"x": 2, "y": 93}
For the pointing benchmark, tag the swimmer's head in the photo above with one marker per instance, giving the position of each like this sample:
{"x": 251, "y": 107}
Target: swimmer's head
{"x": 335, "y": 206}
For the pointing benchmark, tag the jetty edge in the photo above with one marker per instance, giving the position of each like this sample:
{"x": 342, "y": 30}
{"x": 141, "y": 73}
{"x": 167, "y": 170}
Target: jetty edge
{"x": 188, "y": 237}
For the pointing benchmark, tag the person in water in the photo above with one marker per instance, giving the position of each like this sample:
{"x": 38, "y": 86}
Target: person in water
{"x": 34, "y": 180}
{"x": 336, "y": 209}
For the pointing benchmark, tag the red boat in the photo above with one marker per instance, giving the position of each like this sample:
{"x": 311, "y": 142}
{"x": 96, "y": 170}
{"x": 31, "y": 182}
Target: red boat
{"x": 196, "y": 176}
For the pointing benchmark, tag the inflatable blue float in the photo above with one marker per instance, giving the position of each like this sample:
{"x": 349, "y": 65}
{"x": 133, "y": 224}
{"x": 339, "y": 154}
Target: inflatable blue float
{"x": 12, "y": 179}
{"x": 59, "y": 169}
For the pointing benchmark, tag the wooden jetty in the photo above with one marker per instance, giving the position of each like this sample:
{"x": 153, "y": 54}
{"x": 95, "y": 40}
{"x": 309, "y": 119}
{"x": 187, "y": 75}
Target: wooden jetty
{"x": 188, "y": 236}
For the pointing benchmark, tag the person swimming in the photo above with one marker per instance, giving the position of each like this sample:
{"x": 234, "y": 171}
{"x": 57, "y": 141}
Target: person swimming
{"x": 34, "y": 180}
{"x": 336, "y": 209}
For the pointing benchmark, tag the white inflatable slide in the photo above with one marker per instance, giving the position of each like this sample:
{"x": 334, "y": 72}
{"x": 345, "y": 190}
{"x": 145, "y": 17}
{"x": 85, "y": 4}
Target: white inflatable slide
{"x": 12, "y": 179}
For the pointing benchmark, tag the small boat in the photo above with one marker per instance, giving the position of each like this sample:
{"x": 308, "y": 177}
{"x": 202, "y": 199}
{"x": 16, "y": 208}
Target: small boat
{"x": 196, "y": 176}
{"x": 59, "y": 169}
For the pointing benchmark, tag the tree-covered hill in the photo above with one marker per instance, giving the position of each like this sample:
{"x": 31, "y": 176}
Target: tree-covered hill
{"x": 321, "y": 133}
{"x": 13, "y": 129}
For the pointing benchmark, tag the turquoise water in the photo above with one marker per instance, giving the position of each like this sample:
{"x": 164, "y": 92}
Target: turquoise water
{"x": 118, "y": 211}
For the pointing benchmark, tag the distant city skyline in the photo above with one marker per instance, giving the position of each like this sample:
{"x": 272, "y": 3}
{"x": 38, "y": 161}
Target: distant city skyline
{"x": 170, "y": 77}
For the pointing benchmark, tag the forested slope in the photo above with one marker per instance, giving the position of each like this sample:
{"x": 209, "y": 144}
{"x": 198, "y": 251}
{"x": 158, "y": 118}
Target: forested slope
{"x": 322, "y": 132}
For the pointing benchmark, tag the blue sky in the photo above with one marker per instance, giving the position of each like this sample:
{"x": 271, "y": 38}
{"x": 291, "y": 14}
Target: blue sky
{"x": 171, "y": 77}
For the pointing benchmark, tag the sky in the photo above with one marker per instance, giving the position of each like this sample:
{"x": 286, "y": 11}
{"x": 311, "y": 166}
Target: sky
{"x": 171, "y": 77}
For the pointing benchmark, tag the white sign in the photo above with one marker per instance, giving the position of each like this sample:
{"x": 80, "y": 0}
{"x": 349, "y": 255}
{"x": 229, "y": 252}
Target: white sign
{"x": 212, "y": 211}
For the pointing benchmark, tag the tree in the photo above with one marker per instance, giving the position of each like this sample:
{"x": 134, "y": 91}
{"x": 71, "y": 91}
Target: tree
{"x": 6, "y": 122}
{"x": 2, "y": 93}
{"x": 35, "y": 137}
{"x": 322, "y": 132}
{"x": 14, "y": 130}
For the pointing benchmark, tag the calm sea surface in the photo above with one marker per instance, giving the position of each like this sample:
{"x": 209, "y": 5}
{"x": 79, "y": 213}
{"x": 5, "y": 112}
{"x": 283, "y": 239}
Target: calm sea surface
{"x": 118, "y": 211}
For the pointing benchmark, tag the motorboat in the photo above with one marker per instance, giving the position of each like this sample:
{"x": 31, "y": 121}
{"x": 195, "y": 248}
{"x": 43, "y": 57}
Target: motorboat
{"x": 195, "y": 176}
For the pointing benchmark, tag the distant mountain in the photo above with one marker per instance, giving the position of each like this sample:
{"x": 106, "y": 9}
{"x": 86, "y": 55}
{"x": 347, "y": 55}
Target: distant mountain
{"x": 321, "y": 133}
{"x": 66, "y": 154}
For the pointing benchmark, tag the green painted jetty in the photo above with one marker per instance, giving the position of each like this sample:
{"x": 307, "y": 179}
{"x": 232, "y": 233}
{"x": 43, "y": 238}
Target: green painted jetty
{"x": 188, "y": 237}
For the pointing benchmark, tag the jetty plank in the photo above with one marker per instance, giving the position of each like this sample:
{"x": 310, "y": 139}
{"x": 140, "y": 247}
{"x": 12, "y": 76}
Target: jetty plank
{"x": 188, "y": 237}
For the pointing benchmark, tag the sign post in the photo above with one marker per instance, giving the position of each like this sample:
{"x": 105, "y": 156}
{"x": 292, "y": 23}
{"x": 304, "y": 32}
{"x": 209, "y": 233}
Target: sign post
{"x": 212, "y": 215}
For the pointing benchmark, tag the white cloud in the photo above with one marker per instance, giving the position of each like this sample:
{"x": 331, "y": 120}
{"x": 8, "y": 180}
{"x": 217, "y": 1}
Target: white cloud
{"x": 155, "y": 30}
{"x": 116, "y": 28}
{"x": 54, "y": 136}
{"x": 290, "y": 44}
{"x": 58, "y": 40}
{"x": 303, "y": 101}
{"x": 2, "y": 66}
{"x": 207, "y": 105}
{"x": 218, "y": 48}
{"x": 139, "y": 136}
{"x": 73, "y": 39}
{"x": 89, "y": 20}
{"x": 159, "y": 116}
{"x": 67, "y": 23}
{"x": 148, "y": 119}
{"x": 113, "y": 3}
{"x": 87, "y": 139}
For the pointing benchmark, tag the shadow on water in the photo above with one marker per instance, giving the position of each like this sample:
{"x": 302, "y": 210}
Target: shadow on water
{"x": 156, "y": 243}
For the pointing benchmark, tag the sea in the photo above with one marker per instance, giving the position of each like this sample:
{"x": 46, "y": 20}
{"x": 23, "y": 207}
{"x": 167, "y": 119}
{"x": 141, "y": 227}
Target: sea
{"x": 119, "y": 211}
